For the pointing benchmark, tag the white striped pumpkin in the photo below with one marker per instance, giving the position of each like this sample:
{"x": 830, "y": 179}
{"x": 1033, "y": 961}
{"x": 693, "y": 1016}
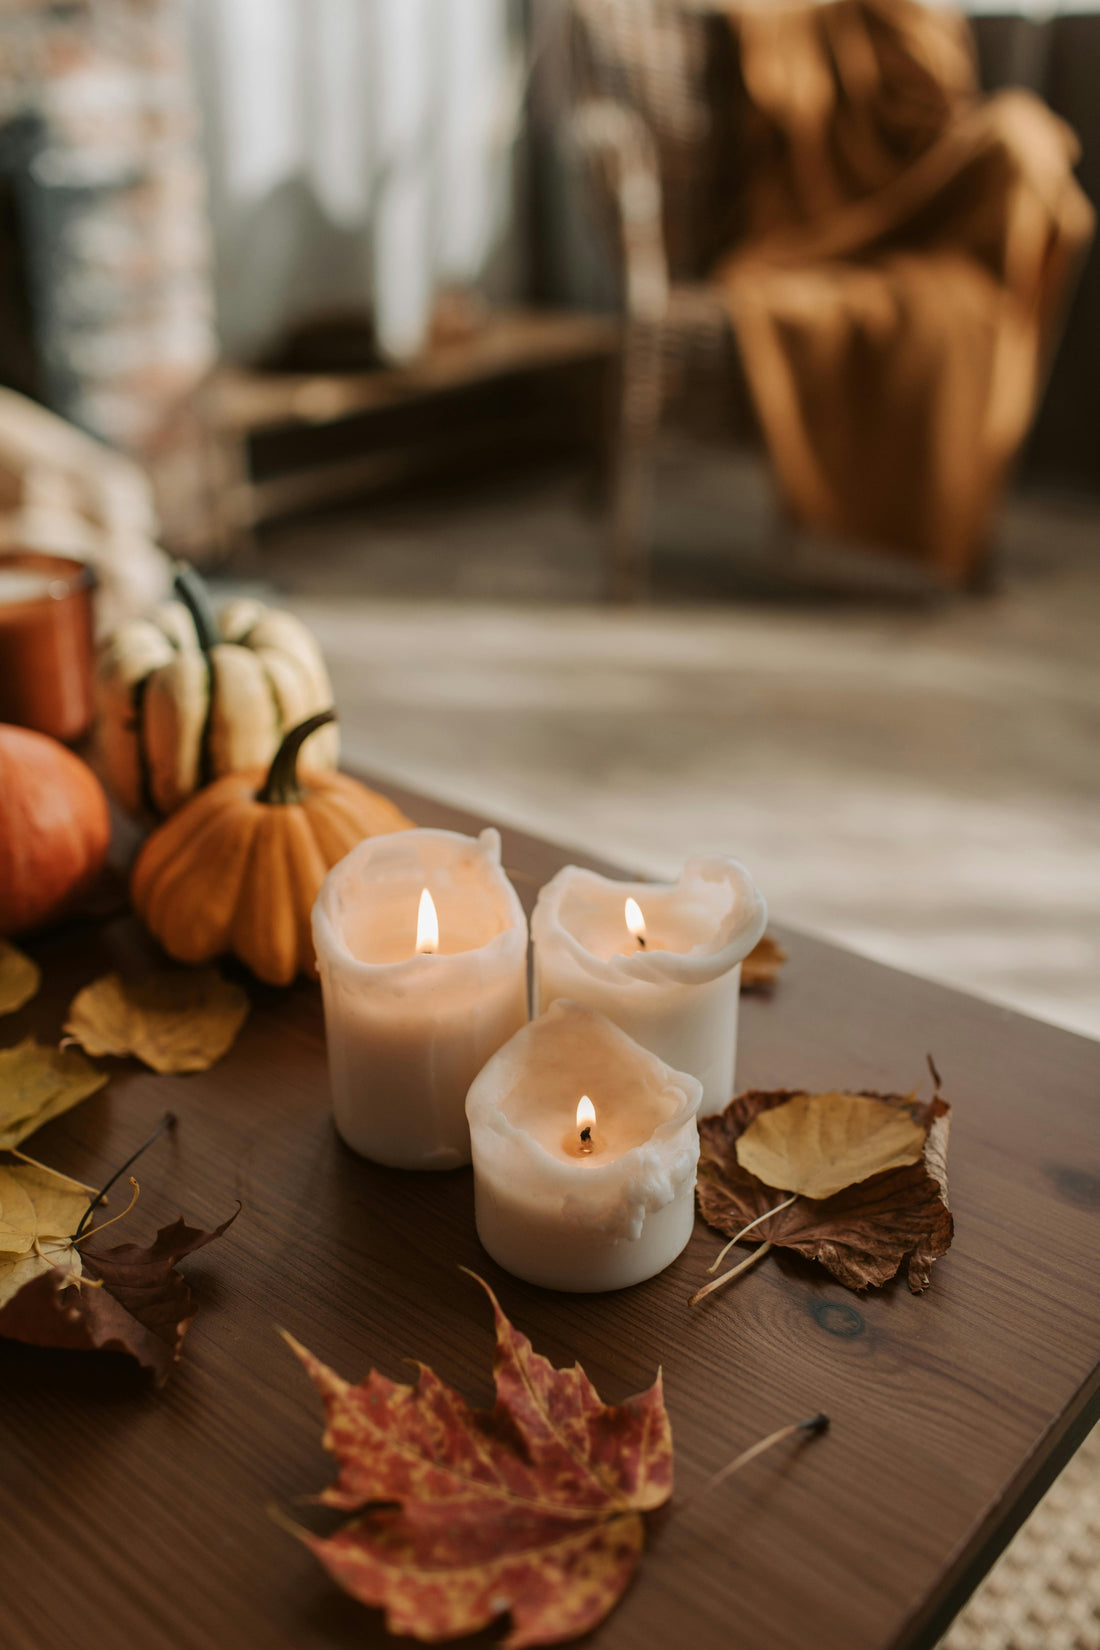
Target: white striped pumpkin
{"x": 184, "y": 697}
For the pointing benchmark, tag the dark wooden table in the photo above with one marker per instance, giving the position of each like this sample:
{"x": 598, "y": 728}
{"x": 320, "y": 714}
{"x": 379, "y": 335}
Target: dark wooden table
{"x": 136, "y": 1517}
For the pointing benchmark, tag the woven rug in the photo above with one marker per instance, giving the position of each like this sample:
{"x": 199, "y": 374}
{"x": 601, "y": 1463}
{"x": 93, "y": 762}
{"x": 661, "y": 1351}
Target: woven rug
{"x": 1043, "y": 1593}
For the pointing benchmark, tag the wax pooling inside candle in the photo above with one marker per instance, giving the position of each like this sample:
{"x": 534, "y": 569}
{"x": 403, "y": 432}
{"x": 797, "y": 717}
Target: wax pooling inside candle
{"x": 673, "y": 921}
{"x": 630, "y": 1101}
{"x": 382, "y": 925}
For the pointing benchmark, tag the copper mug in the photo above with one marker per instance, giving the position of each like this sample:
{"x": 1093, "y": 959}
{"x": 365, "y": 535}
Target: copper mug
{"x": 47, "y": 653}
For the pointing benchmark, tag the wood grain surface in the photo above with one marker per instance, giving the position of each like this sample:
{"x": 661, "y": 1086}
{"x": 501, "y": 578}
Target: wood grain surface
{"x": 131, "y": 1516}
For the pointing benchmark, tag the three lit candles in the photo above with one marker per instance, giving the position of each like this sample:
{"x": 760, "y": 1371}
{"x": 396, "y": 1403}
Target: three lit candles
{"x": 582, "y": 1124}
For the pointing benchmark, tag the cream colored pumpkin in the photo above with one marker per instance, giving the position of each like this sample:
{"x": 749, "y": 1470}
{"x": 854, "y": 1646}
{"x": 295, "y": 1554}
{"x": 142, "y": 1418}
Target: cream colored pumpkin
{"x": 184, "y": 698}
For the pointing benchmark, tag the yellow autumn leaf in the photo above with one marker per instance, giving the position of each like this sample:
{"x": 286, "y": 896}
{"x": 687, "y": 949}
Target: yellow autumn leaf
{"x": 37, "y": 1083}
{"x": 177, "y": 1020}
{"x": 760, "y": 969}
{"x": 20, "y": 978}
{"x": 816, "y": 1144}
{"x": 40, "y": 1211}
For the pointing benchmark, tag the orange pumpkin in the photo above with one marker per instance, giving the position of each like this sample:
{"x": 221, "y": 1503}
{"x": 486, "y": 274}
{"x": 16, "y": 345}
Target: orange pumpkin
{"x": 238, "y": 867}
{"x": 55, "y": 828}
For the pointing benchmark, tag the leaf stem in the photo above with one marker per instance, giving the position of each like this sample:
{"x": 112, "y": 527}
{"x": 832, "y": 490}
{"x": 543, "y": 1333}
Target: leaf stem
{"x": 743, "y": 1266}
{"x": 813, "y": 1427}
{"x": 95, "y": 1230}
{"x": 739, "y": 1235}
{"x": 35, "y": 1164}
{"x": 168, "y": 1121}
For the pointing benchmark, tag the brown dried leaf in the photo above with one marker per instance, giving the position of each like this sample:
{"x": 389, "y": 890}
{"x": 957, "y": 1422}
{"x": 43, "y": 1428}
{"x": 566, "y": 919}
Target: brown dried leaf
{"x": 816, "y": 1144}
{"x": 37, "y": 1083}
{"x": 862, "y": 1234}
{"x": 20, "y": 978}
{"x": 532, "y": 1509}
{"x": 760, "y": 969}
{"x": 129, "y": 1299}
{"x": 177, "y": 1020}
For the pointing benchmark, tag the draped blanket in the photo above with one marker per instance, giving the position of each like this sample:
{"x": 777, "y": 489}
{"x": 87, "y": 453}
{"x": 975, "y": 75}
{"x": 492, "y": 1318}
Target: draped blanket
{"x": 896, "y": 292}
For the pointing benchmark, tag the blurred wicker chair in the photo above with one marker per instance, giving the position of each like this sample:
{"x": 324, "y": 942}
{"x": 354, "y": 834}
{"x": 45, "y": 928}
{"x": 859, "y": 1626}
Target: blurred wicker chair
{"x": 653, "y": 108}
{"x": 686, "y": 166}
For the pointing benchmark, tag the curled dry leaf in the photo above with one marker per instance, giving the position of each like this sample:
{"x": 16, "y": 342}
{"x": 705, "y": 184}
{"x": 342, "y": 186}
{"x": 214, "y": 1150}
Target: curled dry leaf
{"x": 127, "y": 1299}
{"x": 20, "y": 978}
{"x": 532, "y": 1509}
{"x": 176, "y": 1020}
{"x": 37, "y": 1083}
{"x": 863, "y": 1233}
{"x": 760, "y": 969}
{"x": 816, "y": 1144}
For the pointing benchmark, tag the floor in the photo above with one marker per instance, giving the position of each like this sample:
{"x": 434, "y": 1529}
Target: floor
{"x": 917, "y": 777}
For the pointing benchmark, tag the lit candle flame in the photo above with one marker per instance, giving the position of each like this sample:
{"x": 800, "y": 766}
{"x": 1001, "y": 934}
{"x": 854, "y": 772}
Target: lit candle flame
{"x": 586, "y": 1122}
{"x": 635, "y": 921}
{"x": 427, "y": 925}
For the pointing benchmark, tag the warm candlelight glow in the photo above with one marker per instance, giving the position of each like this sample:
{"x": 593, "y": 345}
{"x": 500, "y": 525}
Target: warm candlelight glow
{"x": 427, "y": 925}
{"x": 635, "y": 921}
{"x": 586, "y": 1122}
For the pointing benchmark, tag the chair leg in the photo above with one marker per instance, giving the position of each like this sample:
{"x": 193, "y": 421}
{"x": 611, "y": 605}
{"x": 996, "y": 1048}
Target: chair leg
{"x": 637, "y": 417}
{"x": 628, "y": 539}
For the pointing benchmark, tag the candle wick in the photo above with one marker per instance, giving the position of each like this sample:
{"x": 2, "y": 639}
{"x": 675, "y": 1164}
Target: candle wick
{"x": 641, "y": 941}
{"x": 586, "y": 1139}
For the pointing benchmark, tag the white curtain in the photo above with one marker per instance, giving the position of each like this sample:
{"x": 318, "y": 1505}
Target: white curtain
{"x": 359, "y": 154}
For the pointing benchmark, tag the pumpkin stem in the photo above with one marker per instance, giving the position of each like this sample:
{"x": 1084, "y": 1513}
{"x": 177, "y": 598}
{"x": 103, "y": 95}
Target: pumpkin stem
{"x": 192, "y": 592}
{"x": 281, "y": 786}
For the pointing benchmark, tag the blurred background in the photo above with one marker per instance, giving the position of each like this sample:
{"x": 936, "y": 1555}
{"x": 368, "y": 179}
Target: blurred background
{"x": 678, "y": 424}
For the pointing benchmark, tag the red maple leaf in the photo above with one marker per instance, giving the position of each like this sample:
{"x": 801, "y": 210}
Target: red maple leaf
{"x": 533, "y": 1508}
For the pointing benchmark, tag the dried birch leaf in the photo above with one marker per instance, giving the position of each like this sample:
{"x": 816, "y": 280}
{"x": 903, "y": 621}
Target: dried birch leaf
{"x": 761, "y": 967}
{"x": 531, "y": 1509}
{"x": 130, "y": 1299}
{"x": 862, "y": 1234}
{"x": 816, "y": 1144}
{"x": 20, "y": 978}
{"x": 37, "y": 1083}
{"x": 178, "y": 1020}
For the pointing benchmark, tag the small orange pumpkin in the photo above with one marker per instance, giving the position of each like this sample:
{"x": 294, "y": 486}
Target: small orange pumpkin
{"x": 55, "y": 828}
{"x": 238, "y": 867}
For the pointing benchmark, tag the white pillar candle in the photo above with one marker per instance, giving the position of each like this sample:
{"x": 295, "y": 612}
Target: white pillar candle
{"x": 422, "y": 950}
{"x": 662, "y": 960}
{"x": 585, "y": 1147}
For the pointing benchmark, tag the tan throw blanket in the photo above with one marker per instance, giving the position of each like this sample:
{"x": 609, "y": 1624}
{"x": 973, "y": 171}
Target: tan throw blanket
{"x": 896, "y": 293}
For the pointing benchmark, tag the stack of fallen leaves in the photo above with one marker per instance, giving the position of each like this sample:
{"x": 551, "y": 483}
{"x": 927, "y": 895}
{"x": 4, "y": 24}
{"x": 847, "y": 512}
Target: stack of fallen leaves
{"x": 59, "y": 1287}
{"x": 865, "y": 1178}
